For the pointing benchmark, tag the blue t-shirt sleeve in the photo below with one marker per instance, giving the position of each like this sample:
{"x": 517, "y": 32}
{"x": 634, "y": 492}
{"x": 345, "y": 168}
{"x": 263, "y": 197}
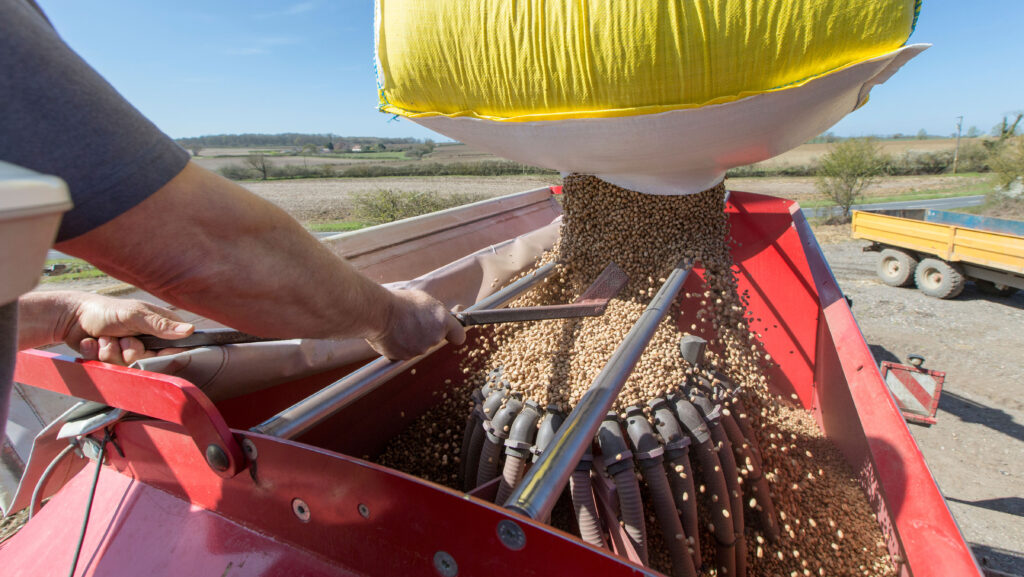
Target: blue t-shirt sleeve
{"x": 59, "y": 116}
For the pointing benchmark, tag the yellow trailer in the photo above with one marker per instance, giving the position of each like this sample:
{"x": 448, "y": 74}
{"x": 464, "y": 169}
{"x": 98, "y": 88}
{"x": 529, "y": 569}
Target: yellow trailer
{"x": 940, "y": 251}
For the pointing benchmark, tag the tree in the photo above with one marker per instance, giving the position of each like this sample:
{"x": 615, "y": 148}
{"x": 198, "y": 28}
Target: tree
{"x": 260, "y": 164}
{"x": 973, "y": 132}
{"x": 922, "y": 134}
{"x": 848, "y": 168}
{"x": 1007, "y": 129}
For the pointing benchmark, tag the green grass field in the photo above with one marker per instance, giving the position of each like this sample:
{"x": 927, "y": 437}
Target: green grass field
{"x": 337, "y": 226}
{"x": 916, "y": 195}
{"x": 74, "y": 269}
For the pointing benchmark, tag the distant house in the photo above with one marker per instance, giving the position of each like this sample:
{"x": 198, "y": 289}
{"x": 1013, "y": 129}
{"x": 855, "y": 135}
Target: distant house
{"x": 357, "y": 148}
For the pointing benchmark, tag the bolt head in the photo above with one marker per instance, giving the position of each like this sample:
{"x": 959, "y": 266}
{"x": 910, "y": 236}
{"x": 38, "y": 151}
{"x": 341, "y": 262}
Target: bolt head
{"x": 217, "y": 458}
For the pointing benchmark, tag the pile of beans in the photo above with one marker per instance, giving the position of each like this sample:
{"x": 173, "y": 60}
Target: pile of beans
{"x": 827, "y": 525}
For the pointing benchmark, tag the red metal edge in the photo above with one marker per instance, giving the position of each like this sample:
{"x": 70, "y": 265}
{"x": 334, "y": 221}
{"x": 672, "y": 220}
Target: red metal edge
{"x": 162, "y": 397}
{"x": 362, "y": 518}
{"x": 557, "y": 189}
{"x": 930, "y": 540}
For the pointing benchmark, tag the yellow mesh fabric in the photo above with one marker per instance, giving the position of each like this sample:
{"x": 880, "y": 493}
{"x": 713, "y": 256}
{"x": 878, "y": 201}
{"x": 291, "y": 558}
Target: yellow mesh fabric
{"x": 527, "y": 60}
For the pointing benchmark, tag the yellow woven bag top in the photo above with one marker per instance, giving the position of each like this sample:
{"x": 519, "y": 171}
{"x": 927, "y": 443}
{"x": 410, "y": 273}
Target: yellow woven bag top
{"x": 529, "y": 60}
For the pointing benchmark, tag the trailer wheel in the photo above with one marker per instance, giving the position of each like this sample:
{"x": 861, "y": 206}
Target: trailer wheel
{"x": 991, "y": 288}
{"x": 896, "y": 268}
{"x": 939, "y": 279}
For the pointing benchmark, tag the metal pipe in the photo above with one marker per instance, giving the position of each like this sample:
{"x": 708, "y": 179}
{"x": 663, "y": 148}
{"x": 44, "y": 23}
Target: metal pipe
{"x": 536, "y": 495}
{"x": 325, "y": 403}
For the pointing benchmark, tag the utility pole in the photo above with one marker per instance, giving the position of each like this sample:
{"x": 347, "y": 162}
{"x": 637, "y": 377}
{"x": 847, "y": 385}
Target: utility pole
{"x": 956, "y": 151}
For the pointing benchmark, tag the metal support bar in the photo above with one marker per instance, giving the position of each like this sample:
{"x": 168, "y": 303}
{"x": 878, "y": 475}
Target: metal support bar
{"x": 325, "y": 403}
{"x": 536, "y": 494}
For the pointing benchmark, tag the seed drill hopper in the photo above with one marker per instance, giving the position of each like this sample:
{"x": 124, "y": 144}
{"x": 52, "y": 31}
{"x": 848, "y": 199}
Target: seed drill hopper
{"x": 277, "y": 477}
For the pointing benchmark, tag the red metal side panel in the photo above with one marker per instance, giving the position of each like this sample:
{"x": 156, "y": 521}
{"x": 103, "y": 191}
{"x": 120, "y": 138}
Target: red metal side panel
{"x": 858, "y": 413}
{"x": 777, "y": 283}
{"x": 138, "y": 530}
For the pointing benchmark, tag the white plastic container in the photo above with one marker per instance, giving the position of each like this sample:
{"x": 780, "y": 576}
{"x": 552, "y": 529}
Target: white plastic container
{"x": 31, "y": 206}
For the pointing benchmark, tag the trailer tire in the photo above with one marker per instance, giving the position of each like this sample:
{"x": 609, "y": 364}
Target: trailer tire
{"x": 896, "y": 268}
{"x": 939, "y": 279}
{"x": 997, "y": 290}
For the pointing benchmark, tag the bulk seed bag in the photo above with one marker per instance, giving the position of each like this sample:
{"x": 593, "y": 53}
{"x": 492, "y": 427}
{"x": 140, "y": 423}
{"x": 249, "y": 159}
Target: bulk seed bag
{"x": 652, "y": 95}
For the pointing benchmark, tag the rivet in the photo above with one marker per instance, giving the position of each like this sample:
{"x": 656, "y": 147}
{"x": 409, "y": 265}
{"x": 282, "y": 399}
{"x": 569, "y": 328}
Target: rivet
{"x": 364, "y": 511}
{"x": 511, "y": 535}
{"x": 445, "y": 564}
{"x": 250, "y": 449}
{"x": 301, "y": 510}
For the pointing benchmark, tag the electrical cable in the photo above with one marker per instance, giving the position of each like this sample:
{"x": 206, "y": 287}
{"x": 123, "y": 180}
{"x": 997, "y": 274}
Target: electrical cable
{"x": 88, "y": 505}
{"x": 35, "y": 502}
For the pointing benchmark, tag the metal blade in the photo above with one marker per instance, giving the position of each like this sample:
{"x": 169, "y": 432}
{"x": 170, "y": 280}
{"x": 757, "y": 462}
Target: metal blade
{"x": 591, "y": 303}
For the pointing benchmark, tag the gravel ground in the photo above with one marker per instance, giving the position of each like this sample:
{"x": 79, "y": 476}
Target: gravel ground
{"x": 975, "y": 451}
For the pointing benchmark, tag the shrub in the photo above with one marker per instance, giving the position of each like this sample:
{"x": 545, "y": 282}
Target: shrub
{"x": 973, "y": 157}
{"x": 1008, "y": 162}
{"x": 236, "y": 172}
{"x": 848, "y": 168}
{"x": 387, "y": 205}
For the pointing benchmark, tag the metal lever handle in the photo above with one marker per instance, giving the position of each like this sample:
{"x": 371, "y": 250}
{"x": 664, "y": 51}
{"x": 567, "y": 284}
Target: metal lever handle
{"x": 212, "y": 337}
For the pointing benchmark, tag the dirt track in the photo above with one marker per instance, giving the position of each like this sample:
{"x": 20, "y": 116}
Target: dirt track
{"x": 975, "y": 451}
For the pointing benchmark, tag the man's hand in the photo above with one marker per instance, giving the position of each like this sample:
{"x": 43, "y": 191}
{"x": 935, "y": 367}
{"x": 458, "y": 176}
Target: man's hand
{"x": 416, "y": 322}
{"x": 98, "y": 321}
{"x": 99, "y": 327}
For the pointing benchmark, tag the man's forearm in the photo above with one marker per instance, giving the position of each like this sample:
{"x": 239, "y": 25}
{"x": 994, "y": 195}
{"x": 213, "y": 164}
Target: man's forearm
{"x": 208, "y": 245}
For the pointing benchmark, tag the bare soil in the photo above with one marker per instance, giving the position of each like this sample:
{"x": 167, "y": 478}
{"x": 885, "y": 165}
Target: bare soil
{"x": 311, "y": 200}
{"x": 315, "y": 200}
{"x": 975, "y": 451}
{"x": 810, "y": 153}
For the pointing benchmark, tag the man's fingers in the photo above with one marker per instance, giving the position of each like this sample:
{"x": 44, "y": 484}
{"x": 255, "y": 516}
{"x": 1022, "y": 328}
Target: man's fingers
{"x": 90, "y": 349}
{"x": 456, "y": 333}
{"x": 159, "y": 324}
{"x": 133, "y": 350}
{"x": 110, "y": 351}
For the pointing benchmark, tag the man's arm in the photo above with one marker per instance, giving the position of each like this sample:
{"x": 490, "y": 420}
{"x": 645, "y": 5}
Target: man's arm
{"x": 208, "y": 245}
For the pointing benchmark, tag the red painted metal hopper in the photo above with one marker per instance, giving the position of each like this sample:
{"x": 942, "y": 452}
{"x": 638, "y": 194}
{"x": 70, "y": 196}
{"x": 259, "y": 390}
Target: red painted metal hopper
{"x": 318, "y": 506}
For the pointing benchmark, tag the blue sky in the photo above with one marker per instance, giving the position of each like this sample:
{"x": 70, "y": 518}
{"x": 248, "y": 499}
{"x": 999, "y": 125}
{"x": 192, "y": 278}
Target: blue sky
{"x": 257, "y": 66}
